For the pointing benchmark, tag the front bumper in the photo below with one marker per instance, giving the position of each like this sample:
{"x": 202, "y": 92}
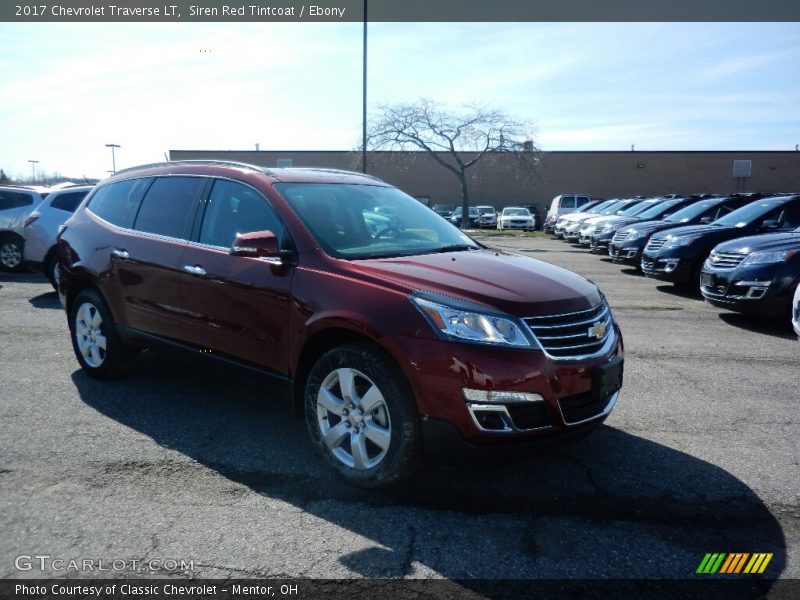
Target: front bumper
{"x": 600, "y": 242}
{"x": 667, "y": 268}
{"x": 524, "y": 225}
{"x": 629, "y": 253}
{"x": 570, "y": 396}
{"x": 751, "y": 290}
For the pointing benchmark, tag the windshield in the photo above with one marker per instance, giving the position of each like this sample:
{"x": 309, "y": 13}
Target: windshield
{"x": 748, "y": 214}
{"x": 638, "y": 207}
{"x": 516, "y": 212}
{"x": 659, "y": 209}
{"x": 486, "y": 210}
{"x": 367, "y": 221}
{"x": 613, "y": 207}
{"x": 691, "y": 212}
{"x": 598, "y": 208}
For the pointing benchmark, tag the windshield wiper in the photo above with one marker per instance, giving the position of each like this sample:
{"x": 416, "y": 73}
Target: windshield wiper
{"x": 455, "y": 248}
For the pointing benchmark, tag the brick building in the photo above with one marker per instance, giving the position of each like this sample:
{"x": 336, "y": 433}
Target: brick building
{"x": 602, "y": 174}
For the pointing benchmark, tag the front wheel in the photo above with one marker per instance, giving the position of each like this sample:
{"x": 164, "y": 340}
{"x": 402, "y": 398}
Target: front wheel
{"x": 361, "y": 414}
{"x": 97, "y": 345}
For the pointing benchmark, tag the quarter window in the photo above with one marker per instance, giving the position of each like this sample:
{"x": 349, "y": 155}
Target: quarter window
{"x": 117, "y": 202}
{"x": 69, "y": 201}
{"x": 232, "y": 209}
{"x": 169, "y": 207}
{"x": 568, "y": 202}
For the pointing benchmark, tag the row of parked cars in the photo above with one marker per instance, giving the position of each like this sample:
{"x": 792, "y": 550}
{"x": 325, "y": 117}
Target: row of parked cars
{"x": 484, "y": 216}
{"x": 740, "y": 251}
{"x": 30, "y": 217}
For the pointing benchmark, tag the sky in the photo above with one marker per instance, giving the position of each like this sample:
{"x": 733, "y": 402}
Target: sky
{"x": 70, "y": 89}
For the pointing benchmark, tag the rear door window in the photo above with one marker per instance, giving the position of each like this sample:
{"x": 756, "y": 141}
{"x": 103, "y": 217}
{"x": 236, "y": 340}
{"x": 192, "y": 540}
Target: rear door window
{"x": 117, "y": 203}
{"x": 9, "y": 199}
{"x": 568, "y": 202}
{"x": 581, "y": 200}
{"x": 234, "y": 208}
{"x": 169, "y": 206}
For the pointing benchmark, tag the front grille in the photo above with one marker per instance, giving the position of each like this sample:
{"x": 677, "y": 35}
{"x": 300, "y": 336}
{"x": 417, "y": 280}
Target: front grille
{"x": 655, "y": 243}
{"x": 619, "y": 237}
{"x": 726, "y": 260}
{"x": 580, "y": 407}
{"x": 572, "y": 335}
{"x": 531, "y": 415}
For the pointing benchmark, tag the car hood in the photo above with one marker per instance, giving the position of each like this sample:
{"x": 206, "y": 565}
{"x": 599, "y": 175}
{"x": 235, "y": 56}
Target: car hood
{"x": 766, "y": 241}
{"x": 692, "y": 230}
{"x": 514, "y": 284}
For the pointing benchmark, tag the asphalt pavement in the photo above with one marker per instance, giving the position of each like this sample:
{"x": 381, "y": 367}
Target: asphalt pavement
{"x": 206, "y": 464}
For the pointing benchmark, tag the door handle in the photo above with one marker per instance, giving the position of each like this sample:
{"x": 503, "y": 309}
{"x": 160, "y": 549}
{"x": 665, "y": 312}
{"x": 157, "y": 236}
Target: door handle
{"x": 194, "y": 270}
{"x": 121, "y": 254}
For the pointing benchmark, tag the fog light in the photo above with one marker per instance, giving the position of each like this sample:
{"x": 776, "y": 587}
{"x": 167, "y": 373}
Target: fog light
{"x": 472, "y": 395}
{"x": 756, "y": 292}
{"x": 631, "y": 252}
{"x": 670, "y": 265}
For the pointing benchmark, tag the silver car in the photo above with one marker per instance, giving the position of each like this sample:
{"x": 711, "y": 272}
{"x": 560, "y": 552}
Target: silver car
{"x": 41, "y": 228}
{"x": 16, "y": 203}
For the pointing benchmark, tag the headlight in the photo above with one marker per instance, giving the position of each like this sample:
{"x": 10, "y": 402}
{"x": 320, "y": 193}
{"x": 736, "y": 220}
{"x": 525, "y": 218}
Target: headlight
{"x": 608, "y": 228}
{"x": 633, "y": 234}
{"x": 675, "y": 242}
{"x": 776, "y": 256}
{"x": 472, "y": 326}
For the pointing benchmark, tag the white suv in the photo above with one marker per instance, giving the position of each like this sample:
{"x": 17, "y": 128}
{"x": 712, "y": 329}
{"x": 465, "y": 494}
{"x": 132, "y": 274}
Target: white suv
{"x": 41, "y": 228}
{"x": 16, "y": 203}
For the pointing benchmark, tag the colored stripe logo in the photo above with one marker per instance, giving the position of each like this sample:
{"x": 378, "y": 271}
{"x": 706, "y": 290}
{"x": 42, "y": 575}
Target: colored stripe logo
{"x": 734, "y": 563}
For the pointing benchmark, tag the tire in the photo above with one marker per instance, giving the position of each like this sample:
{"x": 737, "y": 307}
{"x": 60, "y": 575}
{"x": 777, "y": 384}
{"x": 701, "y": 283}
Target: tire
{"x": 51, "y": 271}
{"x": 368, "y": 430}
{"x": 11, "y": 253}
{"x": 97, "y": 345}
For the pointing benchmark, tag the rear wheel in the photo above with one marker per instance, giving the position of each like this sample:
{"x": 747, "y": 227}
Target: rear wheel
{"x": 97, "y": 345}
{"x": 11, "y": 253}
{"x": 361, "y": 414}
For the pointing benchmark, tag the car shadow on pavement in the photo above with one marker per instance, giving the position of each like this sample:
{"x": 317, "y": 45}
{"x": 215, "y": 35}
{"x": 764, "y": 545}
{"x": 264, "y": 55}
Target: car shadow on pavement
{"x": 47, "y": 300}
{"x": 780, "y": 328}
{"x": 614, "y": 505}
{"x": 681, "y": 292}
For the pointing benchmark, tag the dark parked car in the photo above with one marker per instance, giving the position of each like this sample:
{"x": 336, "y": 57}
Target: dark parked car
{"x": 629, "y": 242}
{"x": 396, "y": 340}
{"x": 473, "y": 216}
{"x": 677, "y": 255}
{"x": 755, "y": 275}
{"x": 648, "y": 211}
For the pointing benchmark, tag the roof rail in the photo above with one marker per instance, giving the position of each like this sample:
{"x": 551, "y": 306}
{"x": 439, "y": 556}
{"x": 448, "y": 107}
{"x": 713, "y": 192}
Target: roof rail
{"x": 334, "y": 171}
{"x": 204, "y": 161}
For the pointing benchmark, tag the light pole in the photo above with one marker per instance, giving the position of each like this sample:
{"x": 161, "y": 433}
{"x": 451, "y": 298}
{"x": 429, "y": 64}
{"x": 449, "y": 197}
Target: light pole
{"x": 364, "y": 99}
{"x": 113, "y": 157}
{"x": 33, "y": 170}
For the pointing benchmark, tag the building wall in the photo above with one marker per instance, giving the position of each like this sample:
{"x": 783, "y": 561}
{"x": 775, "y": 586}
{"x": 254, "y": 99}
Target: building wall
{"x": 599, "y": 174}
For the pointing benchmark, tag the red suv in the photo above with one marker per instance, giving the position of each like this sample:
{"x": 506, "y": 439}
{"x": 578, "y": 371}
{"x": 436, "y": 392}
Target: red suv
{"x": 397, "y": 331}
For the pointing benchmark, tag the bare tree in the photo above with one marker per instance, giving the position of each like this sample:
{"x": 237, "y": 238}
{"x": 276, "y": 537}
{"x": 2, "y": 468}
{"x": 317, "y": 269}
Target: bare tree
{"x": 456, "y": 140}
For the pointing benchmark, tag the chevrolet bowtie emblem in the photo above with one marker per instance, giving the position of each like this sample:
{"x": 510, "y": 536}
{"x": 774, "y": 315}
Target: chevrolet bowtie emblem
{"x": 598, "y": 330}
{"x": 714, "y": 258}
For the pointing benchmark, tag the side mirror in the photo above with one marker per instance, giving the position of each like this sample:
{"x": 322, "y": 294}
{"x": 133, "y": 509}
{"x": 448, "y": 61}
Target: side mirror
{"x": 706, "y": 220}
{"x": 256, "y": 244}
{"x": 771, "y": 224}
